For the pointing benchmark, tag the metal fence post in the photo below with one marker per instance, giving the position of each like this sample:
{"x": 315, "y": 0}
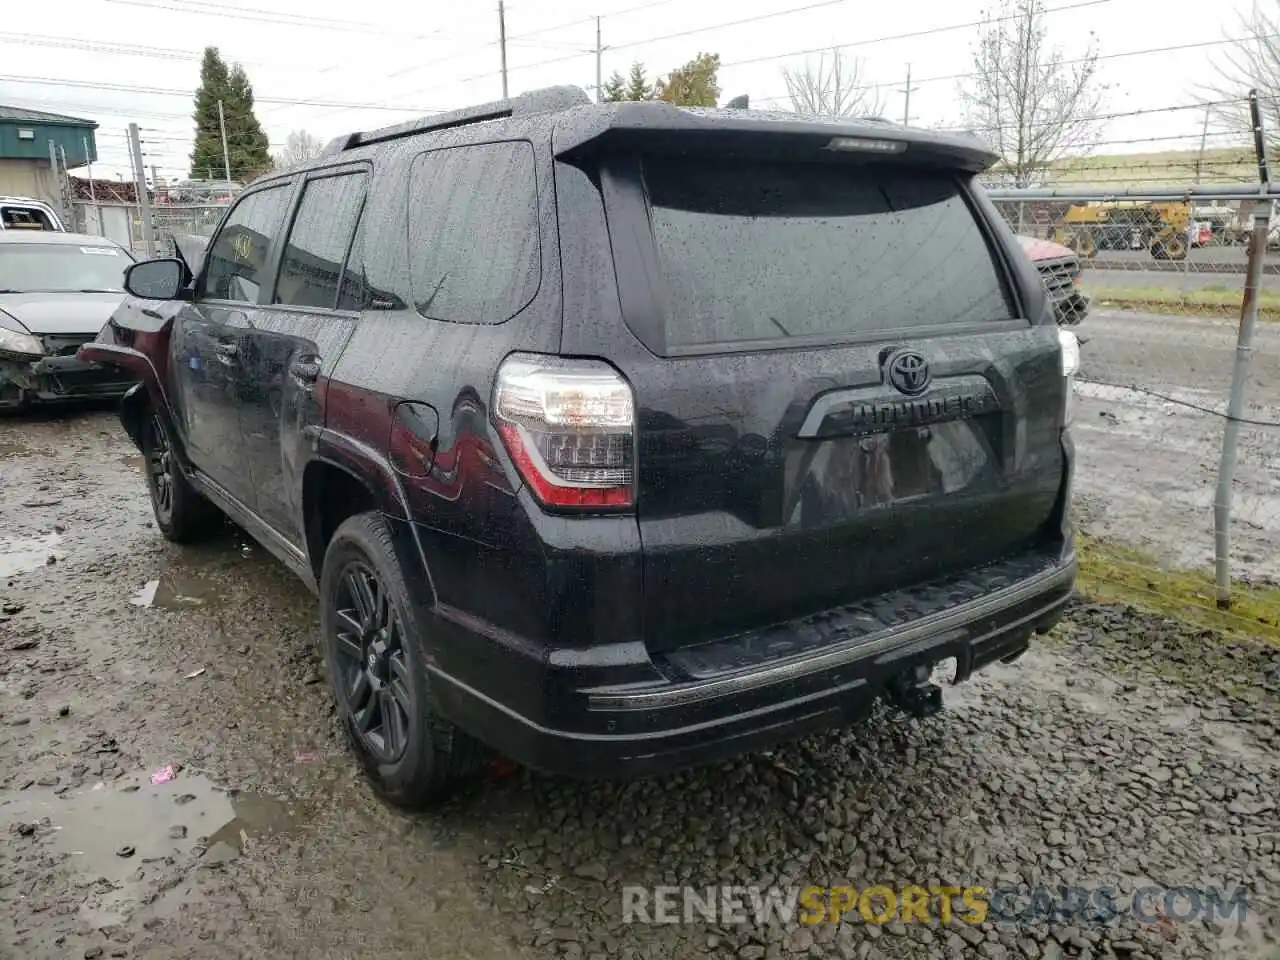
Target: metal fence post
{"x": 1240, "y": 372}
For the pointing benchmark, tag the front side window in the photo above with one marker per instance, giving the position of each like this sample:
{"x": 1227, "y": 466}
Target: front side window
{"x": 238, "y": 257}
{"x": 311, "y": 272}
{"x": 473, "y": 232}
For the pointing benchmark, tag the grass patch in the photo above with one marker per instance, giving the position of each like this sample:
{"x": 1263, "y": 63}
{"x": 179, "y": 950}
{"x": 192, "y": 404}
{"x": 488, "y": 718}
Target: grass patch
{"x": 1113, "y": 573}
{"x": 1215, "y": 301}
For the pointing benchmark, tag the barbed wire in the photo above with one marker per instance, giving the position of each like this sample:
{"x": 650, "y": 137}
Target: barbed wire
{"x": 1209, "y": 614}
{"x": 1177, "y": 401}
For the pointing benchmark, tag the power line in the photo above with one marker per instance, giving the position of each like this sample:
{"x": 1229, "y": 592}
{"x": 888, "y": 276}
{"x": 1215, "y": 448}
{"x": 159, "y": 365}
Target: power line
{"x": 744, "y": 20}
{"x": 1107, "y": 56}
{"x": 96, "y": 46}
{"x": 223, "y": 11}
{"x": 493, "y": 43}
{"x": 167, "y": 92}
{"x": 648, "y": 40}
{"x": 99, "y": 109}
{"x": 915, "y": 34}
{"x": 734, "y": 23}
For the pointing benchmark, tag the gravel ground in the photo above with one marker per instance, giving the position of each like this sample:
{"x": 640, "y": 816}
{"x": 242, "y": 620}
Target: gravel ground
{"x": 1148, "y": 465}
{"x": 1121, "y": 751}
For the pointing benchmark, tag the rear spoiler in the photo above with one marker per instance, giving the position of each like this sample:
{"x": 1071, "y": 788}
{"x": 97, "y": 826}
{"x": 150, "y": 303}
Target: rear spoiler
{"x": 660, "y": 127}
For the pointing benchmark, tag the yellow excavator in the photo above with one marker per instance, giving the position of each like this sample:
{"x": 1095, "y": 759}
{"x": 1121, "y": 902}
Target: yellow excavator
{"x": 1126, "y": 225}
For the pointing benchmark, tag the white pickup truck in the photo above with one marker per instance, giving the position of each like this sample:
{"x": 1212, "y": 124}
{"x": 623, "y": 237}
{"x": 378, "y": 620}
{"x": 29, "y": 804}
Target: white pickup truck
{"x": 25, "y": 213}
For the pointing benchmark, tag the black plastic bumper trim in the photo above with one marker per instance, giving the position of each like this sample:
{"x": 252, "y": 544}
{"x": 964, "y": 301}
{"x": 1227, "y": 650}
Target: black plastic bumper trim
{"x": 881, "y": 642}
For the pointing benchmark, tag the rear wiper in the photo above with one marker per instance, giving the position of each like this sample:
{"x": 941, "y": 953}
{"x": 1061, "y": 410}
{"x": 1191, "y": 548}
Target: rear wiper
{"x": 97, "y": 290}
{"x": 777, "y": 323}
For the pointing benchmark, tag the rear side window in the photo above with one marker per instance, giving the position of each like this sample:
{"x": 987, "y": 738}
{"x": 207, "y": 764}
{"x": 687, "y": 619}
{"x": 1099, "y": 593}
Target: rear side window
{"x": 25, "y": 218}
{"x": 314, "y": 257}
{"x": 238, "y": 256}
{"x": 473, "y": 232}
{"x": 769, "y": 251}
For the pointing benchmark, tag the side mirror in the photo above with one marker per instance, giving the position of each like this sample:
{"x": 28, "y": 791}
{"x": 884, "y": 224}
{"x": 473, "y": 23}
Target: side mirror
{"x": 156, "y": 279}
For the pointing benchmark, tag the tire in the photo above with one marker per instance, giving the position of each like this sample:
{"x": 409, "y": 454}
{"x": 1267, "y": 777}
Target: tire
{"x": 182, "y": 514}
{"x": 377, "y": 672}
{"x": 1170, "y": 248}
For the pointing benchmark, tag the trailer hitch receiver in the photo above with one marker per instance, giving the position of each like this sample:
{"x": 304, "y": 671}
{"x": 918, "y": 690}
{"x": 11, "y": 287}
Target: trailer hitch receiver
{"x": 914, "y": 694}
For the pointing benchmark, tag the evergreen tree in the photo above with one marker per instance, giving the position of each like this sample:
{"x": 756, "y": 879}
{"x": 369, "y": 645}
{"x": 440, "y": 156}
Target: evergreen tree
{"x": 247, "y": 145}
{"x": 638, "y": 85}
{"x": 614, "y": 90}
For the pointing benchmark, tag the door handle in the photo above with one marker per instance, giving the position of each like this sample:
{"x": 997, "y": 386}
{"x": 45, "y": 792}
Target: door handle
{"x": 305, "y": 371}
{"x": 226, "y": 353}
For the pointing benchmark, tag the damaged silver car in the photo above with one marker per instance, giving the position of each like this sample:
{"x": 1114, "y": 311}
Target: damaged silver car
{"x": 57, "y": 290}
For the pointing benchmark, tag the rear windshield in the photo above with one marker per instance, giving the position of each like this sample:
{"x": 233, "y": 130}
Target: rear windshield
{"x": 767, "y": 251}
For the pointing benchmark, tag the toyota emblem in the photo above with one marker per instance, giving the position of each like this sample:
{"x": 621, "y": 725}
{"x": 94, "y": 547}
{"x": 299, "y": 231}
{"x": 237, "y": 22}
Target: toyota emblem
{"x": 908, "y": 372}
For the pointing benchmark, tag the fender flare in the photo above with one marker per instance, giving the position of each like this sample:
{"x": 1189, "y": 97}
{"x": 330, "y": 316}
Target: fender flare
{"x": 371, "y": 470}
{"x": 149, "y": 386}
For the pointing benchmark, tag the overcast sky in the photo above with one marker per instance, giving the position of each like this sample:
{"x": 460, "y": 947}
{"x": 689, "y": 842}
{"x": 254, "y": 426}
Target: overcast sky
{"x": 331, "y": 67}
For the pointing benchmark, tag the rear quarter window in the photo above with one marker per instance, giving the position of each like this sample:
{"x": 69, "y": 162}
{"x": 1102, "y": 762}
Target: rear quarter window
{"x": 755, "y": 251}
{"x": 473, "y": 232}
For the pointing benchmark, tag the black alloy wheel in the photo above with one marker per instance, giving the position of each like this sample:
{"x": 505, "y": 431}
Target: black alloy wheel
{"x": 160, "y": 468}
{"x": 373, "y": 672}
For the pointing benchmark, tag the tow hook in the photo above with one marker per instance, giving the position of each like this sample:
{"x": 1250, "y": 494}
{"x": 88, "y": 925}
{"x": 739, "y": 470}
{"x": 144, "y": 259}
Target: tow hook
{"x": 913, "y": 694}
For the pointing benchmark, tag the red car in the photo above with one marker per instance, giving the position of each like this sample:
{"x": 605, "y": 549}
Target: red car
{"x": 1061, "y": 271}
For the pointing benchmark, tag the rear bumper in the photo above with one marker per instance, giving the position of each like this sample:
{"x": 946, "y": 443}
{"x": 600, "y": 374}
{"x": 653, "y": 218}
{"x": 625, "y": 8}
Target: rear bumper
{"x": 55, "y": 379}
{"x": 746, "y": 693}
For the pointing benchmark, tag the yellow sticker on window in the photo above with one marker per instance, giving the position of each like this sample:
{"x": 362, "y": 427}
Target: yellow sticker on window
{"x": 242, "y": 247}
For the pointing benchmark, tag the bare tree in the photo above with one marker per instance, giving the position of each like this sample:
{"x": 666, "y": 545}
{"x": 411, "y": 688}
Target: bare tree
{"x": 299, "y": 147}
{"x": 832, "y": 88}
{"x": 1029, "y": 100}
{"x": 1253, "y": 61}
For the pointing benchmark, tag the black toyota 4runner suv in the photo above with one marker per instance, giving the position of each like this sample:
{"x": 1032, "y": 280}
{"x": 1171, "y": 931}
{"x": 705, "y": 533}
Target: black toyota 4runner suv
{"x": 619, "y": 437}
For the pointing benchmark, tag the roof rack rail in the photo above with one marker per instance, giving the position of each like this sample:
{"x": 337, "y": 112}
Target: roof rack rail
{"x": 545, "y": 100}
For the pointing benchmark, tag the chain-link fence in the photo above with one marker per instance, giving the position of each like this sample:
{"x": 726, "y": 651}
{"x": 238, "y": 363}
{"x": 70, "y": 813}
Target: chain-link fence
{"x": 1165, "y": 275}
{"x": 122, "y": 222}
{"x": 1182, "y": 257}
{"x": 187, "y": 219}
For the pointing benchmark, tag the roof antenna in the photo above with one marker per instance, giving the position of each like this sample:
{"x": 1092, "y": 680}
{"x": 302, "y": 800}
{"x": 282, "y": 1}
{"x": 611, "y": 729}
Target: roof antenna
{"x": 738, "y": 103}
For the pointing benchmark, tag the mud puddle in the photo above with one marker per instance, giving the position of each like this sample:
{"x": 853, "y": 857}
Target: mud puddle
{"x": 24, "y": 554}
{"x": 129, "y": 837}
{"x": 172, "y": 591}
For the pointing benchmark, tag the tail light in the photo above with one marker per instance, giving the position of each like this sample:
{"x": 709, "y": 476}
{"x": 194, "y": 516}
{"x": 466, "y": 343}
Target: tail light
{"x": 569, "y": 426}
